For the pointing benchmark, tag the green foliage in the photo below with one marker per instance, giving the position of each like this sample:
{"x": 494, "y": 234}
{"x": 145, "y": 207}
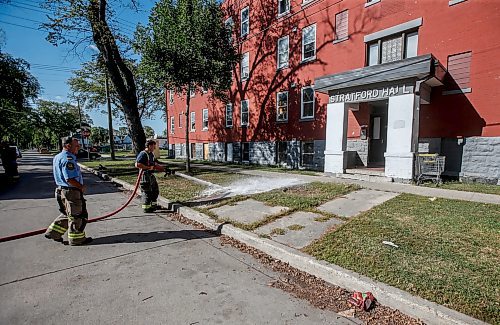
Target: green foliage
{"x": 99, "y": 135}
{"x": 89, "y": 83}
{"x": 17, "y": 88}
{"x": 149, "y": 131}
{"x": 53, "y": 120}
{"x": 186, "y": 44}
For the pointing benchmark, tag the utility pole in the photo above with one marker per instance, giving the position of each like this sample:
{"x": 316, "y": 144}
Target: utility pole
{"x": 81, "y": 130}
{"x": 110, "y": 121}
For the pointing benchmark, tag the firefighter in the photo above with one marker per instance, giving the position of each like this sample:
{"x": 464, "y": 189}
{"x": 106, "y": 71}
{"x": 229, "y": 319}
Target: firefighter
{"x": 69, "y": 195}
{"x": 146, "y": 161}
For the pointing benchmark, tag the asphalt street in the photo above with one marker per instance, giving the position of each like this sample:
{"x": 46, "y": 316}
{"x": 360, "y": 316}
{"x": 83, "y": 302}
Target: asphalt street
{"x": 140, "y": 269}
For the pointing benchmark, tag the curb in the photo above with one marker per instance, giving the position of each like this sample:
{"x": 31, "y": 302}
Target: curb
{"x": 427, "y": 311}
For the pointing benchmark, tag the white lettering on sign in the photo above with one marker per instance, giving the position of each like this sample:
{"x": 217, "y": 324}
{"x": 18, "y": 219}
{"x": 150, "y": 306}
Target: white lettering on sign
{"x": 371, "y": 94}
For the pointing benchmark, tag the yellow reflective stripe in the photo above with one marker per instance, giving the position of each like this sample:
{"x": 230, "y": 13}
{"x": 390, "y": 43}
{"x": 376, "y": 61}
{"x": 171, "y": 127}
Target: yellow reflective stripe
{"x": 76, "y": 235}
{"x": 57, "y": 228}
{"x": 145, "y": 206}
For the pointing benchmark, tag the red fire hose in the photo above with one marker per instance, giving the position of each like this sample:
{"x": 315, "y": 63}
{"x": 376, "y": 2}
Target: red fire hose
{"x": 41, "y": 231}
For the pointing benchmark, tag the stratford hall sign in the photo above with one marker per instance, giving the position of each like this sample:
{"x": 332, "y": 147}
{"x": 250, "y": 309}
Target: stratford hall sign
{"x": 370, "y": 94}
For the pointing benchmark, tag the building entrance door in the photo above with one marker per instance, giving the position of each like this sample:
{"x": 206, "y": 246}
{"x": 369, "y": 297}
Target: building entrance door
{"x": 205, "y": 151}
{"x": 378, "y": 135}
{"x": 229, "y": 152}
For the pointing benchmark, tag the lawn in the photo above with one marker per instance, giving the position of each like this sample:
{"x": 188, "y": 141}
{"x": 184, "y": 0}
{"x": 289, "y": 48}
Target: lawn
{"x": 173, "y": 188}
{"x": 221, "y": 177}
{"x": 449, "y": 251}
{"x": 470, "y": 187}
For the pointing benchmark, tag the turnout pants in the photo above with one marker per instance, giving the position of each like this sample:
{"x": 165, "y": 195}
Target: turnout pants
{"x": 150, "y": 191}
{"x": 73, "y": 217}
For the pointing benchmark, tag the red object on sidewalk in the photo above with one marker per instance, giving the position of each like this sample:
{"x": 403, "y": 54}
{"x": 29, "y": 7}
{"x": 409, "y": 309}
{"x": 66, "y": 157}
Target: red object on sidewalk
{"x": 362, "y": 300}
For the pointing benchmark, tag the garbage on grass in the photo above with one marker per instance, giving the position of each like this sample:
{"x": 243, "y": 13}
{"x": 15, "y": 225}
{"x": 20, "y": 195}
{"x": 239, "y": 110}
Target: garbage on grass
{"x": 348, "y": 313}
{"x": 432, "y": 199}
{"x": 390, "y": 243}
{"x": 361, "y": 300}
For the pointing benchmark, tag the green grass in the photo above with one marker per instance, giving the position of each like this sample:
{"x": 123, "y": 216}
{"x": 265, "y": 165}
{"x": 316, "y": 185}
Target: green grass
{"x": 304, "y": 197}
{"x": 295, "y": 227}
{"x": 277, "y": 231}
{"x": 172, "y": 187}
{"x": 449, "y": 251}
{"x": 469, "y": 187}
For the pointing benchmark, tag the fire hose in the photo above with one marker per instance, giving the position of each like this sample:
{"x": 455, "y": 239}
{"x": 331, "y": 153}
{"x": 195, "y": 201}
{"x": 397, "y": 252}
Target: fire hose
{"x": 41, "y": 231}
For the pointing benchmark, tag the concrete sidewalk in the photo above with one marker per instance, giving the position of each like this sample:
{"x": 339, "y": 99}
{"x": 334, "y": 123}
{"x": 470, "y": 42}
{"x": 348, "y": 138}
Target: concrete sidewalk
{"x": 387, "y": 187}
{"x": 287, "y": 249}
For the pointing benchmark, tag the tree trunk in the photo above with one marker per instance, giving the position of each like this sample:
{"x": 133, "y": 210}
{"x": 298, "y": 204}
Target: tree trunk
{"x": 120, "y": 74}
{"x": 188, "y": 126}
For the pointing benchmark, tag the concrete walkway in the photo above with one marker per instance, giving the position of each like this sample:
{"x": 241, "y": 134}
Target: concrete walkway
{"x": 387, "y": 187}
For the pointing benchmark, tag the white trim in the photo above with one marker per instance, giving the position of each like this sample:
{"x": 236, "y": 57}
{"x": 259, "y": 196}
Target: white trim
{"x": 192, "y": 122}
{"x": 303, "y": 45}
{"x": 287, "y": 52}
{"x": 232, "y": 116}
{"x": 454, "y": 2}
{"x": 181, "y": 116}
{"x": 302, "y": 102}
{"x": 371, "y": 3}
{"x": 248, "y": 112}
{"x": 247, "y": 31}
{"x": 277, "y": 106}
{"x": 394, "y": 30}
{"x": 204, "y": 128}
{"x": 457, "y": 91}
{"x": 246, "y": 56}
{"x": 287, "y": 8}
{"x": 172, "y": 124}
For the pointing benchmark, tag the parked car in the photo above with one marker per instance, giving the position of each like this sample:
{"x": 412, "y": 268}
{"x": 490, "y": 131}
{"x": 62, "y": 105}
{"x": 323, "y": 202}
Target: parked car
{"x": 18, "y": 152}
{"x": 82, "y": 153}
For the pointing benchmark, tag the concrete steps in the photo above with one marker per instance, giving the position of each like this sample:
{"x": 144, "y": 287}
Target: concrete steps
{"x": 365, "y": 175}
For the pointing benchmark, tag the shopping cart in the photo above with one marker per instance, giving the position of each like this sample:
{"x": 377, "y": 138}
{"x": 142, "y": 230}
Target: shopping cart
{"x": 429, "y": 167}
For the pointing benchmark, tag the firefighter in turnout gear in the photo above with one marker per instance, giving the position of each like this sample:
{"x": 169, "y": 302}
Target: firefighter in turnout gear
{"x": 149, "y": 186}
{"x": 69, "y": 195}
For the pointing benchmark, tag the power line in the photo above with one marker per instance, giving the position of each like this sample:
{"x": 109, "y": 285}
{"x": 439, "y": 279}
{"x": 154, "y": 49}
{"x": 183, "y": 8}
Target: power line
{"x": 18, "y": 25}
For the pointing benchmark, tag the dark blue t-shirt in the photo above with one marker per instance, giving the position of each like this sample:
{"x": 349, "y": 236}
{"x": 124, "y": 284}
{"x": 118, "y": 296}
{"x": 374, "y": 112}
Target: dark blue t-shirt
{"x": 146, "y": 158}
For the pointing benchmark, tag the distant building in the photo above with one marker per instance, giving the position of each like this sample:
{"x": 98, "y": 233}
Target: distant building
{"x": 344, "y": 86}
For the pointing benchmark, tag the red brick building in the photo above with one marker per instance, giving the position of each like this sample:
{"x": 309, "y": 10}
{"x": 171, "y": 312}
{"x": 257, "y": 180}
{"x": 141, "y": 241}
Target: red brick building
{"x": 352, "y": 86}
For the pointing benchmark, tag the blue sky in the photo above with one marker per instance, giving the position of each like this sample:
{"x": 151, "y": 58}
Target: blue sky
{"x": 52, "y": 66}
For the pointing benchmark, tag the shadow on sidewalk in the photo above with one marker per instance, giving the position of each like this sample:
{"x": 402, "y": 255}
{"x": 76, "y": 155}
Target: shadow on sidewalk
{"x": 153, "y": 236}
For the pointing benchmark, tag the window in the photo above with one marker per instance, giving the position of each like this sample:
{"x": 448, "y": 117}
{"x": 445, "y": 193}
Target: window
{"x": 304, "y": 2}
{"x": 307, "y": 109}
{"x": 282, "y": 106}
{"x": 245, "y": 66}
{"x": 283, "y": 6}
{"x": 245, "y": 151}
{"x": 205, "y": 119}
{"x": 204, "y": 89}
{"x": 282, "y": 152}
{"x": 172, "y": 124}
{"x": 229, "y": 23}
{"x": 181, "y": 116}
{"x": 245, "y": 21}
{"x": 341, "y": 26}
{"x": 283, "y": 52}
{"x": 244, "y": 112}
{"x": 371, "y": 2}
{"x": 193, "y": 124}
{"x": 192, "y": 92}
{"x": 393, "y": 48}
{"x": 459, "y": 71}
{"x": 171, "y": 96}
{"x": 229, "y": 115}
{"x": 309, "y": 43}
{"x": 307, "y": 153}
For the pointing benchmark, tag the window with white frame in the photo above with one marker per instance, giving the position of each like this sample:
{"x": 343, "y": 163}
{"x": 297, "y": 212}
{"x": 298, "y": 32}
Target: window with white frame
{"x": 283, "y": 6}
{"x": 245, "y": 21}
{"x": 307, "y": 154}
{"x": 307, "y": 107}
{"x": 193, "y": 124}
{"x": 205, "y": 119}
{"x": 171, "y": 96}
{"x": 283, "y": 52}
{"x": 282, "y": 106}
{"x": 181, "y": 116}
{"x": 229, "y": 23}
{"x": 341, "y": 25}
{"x": 309, "y": 42}
{"x": 229, "y": 115}
{"x": 172, "y": 124}
{"x": 245, "y": 66}
{"x": 244, "y": 112}
{"x": 393, "y": 48}
{"x": 192, "y": 91}
{"x": 304, "y": 2}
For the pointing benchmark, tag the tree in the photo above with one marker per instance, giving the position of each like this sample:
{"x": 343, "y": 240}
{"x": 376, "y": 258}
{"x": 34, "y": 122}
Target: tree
{"x": 53, "y": 120}
{"x": 17, "y": 88}
{"x": 98, "y": 135}
{"x": 150, "y": 132}
{"x": 122, "y": 131}
{"x": 185, "y": 47}
{"x": 95, "y": 17}
{"x": 89, "y": 83}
